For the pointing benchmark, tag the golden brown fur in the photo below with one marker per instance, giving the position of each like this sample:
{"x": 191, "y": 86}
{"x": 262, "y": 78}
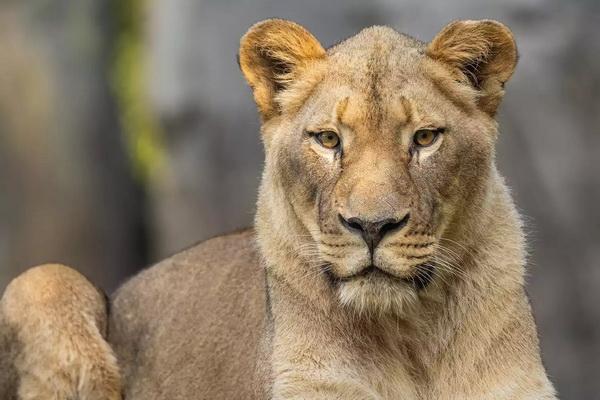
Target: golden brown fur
{"x": 393, "y": 271}
{"x": 59, "y": 322}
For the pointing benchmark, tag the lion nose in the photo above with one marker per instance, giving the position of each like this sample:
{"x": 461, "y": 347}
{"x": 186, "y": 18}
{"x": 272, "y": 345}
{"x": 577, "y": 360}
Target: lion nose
{"x": 373, "y": 231}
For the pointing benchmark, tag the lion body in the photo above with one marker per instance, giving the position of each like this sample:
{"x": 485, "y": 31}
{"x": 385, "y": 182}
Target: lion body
{"x": 307, "y": 305}
{"x": 177, "y": 339}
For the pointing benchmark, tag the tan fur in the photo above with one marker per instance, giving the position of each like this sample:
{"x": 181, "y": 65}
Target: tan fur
{"x": 60, "y": 321}
{"x": 469, "y": 334}
{"x": 273, "y": 57}
{"x": 483, "y": 51}
{"x": 197, "y": 326}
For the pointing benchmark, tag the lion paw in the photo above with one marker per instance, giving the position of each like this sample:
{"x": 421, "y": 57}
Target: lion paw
{"x": 60, "y": 321}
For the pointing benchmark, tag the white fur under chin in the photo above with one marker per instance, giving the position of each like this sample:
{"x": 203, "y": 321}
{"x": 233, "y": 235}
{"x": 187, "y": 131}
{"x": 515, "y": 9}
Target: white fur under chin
{"x": 366, "y": 296}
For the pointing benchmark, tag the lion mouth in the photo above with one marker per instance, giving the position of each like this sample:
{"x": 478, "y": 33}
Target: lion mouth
{"x": 420, "y": 279}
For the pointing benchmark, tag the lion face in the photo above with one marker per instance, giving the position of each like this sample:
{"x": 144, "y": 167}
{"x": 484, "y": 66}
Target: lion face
{"x": 378, "y": 146}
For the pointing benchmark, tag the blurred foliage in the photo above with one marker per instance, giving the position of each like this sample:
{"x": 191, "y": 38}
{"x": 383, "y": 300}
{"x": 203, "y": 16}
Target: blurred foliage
{"x": 129, "y": 83}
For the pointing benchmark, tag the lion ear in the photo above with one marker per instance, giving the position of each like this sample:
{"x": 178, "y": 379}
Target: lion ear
{"x": 273, "y": 53}
{"x": 484, "y": 54}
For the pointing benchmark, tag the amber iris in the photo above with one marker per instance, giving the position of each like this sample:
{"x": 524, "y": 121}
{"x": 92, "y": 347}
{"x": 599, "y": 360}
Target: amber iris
{"x": 425, "y": 137}
{"x": 328, "y": 139}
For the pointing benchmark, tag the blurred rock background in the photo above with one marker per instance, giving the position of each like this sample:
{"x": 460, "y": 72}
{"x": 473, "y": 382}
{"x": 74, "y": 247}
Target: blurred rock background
{"x": 127, "y": 133}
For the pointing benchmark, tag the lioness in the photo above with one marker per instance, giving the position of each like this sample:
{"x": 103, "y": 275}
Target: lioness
{"x": 386, "y": 262}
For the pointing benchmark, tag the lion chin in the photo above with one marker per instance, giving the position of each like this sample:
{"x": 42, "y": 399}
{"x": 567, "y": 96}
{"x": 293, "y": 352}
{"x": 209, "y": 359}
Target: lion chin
{"x": 374, "y": 291}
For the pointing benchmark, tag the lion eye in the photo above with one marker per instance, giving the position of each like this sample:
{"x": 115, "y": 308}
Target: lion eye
{"x": 328, "y": 139}
{"x": 426, "y": 137}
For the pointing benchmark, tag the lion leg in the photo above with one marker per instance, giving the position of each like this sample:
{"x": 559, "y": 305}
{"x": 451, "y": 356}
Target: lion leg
{"x": 58, "y": 320}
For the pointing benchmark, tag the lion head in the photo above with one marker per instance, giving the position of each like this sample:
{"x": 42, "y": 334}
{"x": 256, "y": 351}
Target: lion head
{"x": 378, "y": 150}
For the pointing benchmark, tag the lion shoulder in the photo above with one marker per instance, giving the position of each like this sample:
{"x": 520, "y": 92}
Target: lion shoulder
{"x": 201, "y": 308}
